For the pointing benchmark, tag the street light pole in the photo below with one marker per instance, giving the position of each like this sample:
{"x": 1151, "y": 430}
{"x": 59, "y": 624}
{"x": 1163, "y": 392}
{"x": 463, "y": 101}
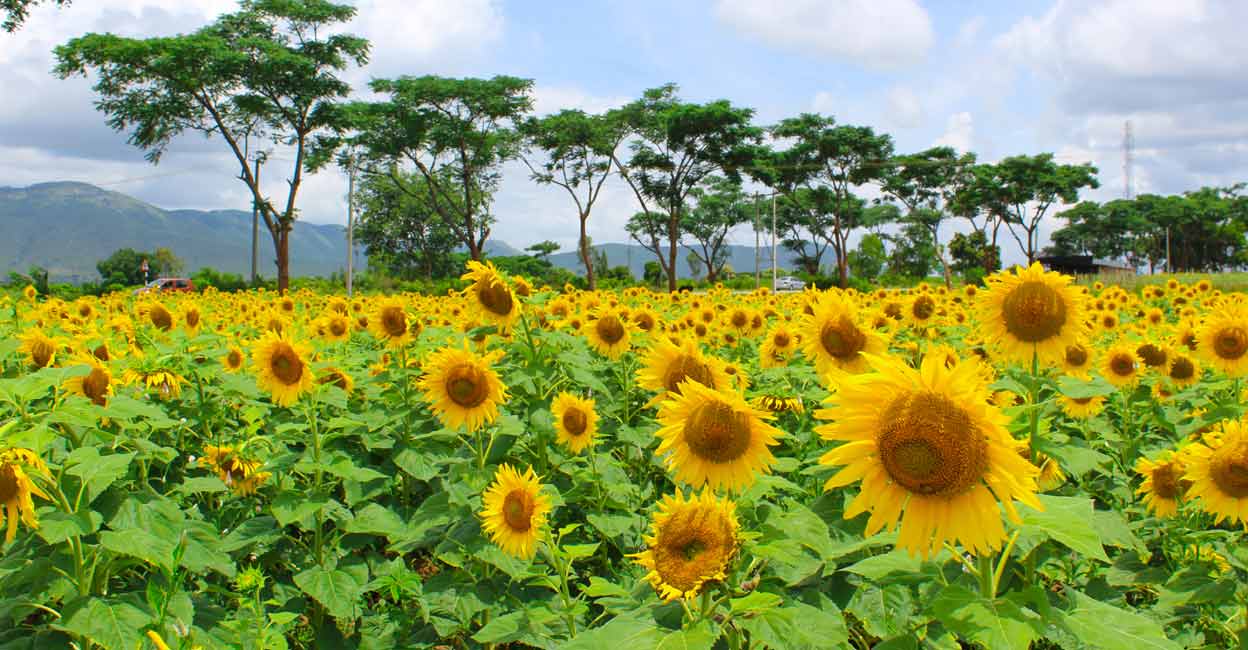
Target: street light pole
{"x": 757, "y": 254}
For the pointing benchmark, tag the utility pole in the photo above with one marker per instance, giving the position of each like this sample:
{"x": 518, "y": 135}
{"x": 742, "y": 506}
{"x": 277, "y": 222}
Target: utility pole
{"x": 773, "y": 241}
{"x": 255, "y": 226}
{"x": 757, "y": 254}
{"x": 350, "y": 223}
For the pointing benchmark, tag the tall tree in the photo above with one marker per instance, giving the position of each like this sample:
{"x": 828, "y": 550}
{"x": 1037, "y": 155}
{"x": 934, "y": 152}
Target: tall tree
{"x": 913, "y": 251}
{"x": 455, "y": 133}
{"x": 720, "y": 207}
{"x": 401, "y": 231}
{"x": 926, "y": 183}
{"x": 838, "y": 158}
{"x": 649, "y": 229}
{"x": 16, "y": 12}
{"x": 804, "y": 222}
{"x": 270, "y": 68}
{"x": 1021, "y": 189}
{"x": 577, "y": 152}
{"x": 543, "y": 249}
{"x": 675, "y": 146}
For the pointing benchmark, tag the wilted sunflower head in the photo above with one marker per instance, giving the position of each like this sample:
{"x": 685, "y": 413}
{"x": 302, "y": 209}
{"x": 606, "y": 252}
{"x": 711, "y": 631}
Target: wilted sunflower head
{"x": 96, "y": 385}
{"x": 39, "y": 348}
{"x": 692, "y": 542}
{"x": 159, "y": 317}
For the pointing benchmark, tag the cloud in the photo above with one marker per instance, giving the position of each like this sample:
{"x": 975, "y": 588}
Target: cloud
{"x": 552, "y": 99}
{"x": 959, "y": 133}
{"x": 427, "y": 36}
{"x": 874, "y": 33}
{"x": 903, "y": 109}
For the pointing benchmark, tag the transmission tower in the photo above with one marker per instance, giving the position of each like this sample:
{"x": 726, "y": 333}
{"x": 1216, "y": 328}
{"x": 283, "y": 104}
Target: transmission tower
{"x": 1128, "y": 161}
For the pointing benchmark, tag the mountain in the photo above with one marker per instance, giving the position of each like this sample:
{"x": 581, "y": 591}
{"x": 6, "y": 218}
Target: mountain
{"x": 740, "y": 258}
{"x": 67, "y": 227}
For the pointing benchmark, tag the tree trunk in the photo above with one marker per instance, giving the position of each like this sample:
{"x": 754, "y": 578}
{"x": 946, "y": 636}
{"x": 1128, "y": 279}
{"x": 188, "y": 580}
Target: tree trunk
{"x": 283, "y": 257}
{"x": 673, "y": 241}
{"x": 474, "y": 249}
{"x": 585, "y": 258}
{"x": 842, "y": 264}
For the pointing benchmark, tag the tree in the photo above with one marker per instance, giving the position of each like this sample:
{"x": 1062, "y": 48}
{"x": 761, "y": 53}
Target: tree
{"x": 867, "y": 261}
{"x": 648, "y": 229}
{"x": 543, "y": 249}
{"x": 676, "y": 145}
{"x": 652, "y": 274}
{"x": 16, "y": 12}
{"x": 124, "y": 267}
{"x": 926, "y": 183}
{"x": 269, "y": 70}
{"x": 695, "y": 264}
{"x": 971, "y": 255}
{"x": 578, "y": 154}
{"x": 164, "y": 262}
{"x": 455, "y": 133}
{"x": 913, "y": 251}
{"x": 804, "y": 222}
{"x": 720, "y": 207}
{"x": 401, "y": 231}
{"x": 824, "y": 155}
{"x": 1020, "y": 190}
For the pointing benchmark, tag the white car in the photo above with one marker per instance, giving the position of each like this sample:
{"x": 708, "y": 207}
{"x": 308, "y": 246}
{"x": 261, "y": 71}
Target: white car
{"x": 789, "y": 283}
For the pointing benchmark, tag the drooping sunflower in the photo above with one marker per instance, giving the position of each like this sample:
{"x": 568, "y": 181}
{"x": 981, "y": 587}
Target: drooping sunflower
{"x": 667, "y": 365}
{"x": 514, "y": 511}
{"x": 1223, "y": 339}
{"x": 281, "y": 368}
{"x": 1163, "y": 484}
{"x": 1121, "y": 365}
{"x": 1031, "y": 311}
{"x": 576, "y": 422}
{"x": 16, "y": 488}
{"x": 1153, "y": 356}
{"x": 927, "y": 441}
{"x": 1219, "y": 472}
{"x": 780, "y": 403}
{"x": 159, "y": 317}
{"x": 332, "y": 376}
{"x": 692, "y": 542}
{"x": 192, "y": 319}
{"x": 39, "y": 348}
{"x": 96, "y": 385}
{"x": 491, "y": 295}
{"x": 714, "y": 437}
{"x": 389, "y": 322}
{"x": 241, "y": 473}
{"x": 608, "y": 333}
{"x": 1078, "y": 360}
{"x": 832, "y": 337}
{"x": 1082, "y": 408}
{"x": 462, "y": 388}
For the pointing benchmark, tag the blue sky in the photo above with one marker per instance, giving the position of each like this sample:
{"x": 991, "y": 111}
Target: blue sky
{"x": 996, "y": 78}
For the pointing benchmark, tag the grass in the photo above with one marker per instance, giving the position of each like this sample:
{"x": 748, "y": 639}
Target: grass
{"x": 1235, "y": 281}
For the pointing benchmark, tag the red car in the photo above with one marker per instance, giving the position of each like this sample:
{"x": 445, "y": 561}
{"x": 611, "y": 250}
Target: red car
{"x": 166, "y": 284}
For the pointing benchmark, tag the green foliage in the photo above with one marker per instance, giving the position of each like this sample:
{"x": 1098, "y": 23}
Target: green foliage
{"x": 124, "y": 266}
{"x": 401, "y": 230}
{"x": 16, "y": 11}
{"x": 914, "y": 251}
{"x": 970, "y": 253}
{"x": 867, "y": 261}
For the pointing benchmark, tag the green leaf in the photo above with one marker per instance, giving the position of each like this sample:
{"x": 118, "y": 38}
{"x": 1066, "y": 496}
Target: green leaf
{"x": 96, "y": 472}
{"x": 620, "y": 632}
{"x": 336, "y": 590}
{"x": 290, "y": 507}
{"x": 994, "y": 624}
{"x": 56, "y": 526}
{"x": 1076, "y": 388}
{"x": 416, "y": 464}
{"x": 136, "y": 542}
{"x": 897, "y": 563}
{"x": 376, "y": 519}
{"x": 701, "y": 636}
{"x": 799, "y": 627}
{"x": 112, "y": 624}
{"x": 202, "y": 485}
{"x": 259, "y": 530}
{"x": 1069, "y": 521}
{"x": 755, "y": 601}
{"x": 1103, "y": 626}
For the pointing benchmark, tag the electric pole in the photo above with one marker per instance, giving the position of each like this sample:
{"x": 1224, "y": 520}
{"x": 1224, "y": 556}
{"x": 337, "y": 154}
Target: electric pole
{"x": 773, "y": 241}
{"x": 757, "y": 254}
{"x": 350, "y": 222}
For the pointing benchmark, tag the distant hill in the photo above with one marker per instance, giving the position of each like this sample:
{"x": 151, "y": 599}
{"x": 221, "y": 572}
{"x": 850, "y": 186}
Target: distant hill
{"x": 68, "y": 227}
{"x": 740, "y": 258}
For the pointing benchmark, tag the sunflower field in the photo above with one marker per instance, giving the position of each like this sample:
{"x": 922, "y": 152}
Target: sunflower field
{"x": 1028, "y": 463}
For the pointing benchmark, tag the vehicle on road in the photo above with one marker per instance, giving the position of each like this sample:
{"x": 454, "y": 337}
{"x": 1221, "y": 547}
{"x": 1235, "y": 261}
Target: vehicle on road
{"x": 161, "y": 285}
{"x": 789, "y": 283}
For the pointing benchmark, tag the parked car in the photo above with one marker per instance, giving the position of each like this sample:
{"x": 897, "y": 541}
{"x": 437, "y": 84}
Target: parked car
{"x": 789, "y": 283}
{"x": 161, "y": 285}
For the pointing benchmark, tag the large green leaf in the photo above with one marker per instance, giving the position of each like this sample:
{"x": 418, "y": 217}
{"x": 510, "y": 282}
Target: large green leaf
{"x": 1106, "y": 627}
{"x": 335, "y": 589}
{"x": 113, "y": 624}
{"x": 631, "y": 633}
{"x": 96, "y": 472}
{"x": 56, "y": 526}
{"x": 798, "y": 626}
{"x": 1067, "y": 520}
{"x": 996, "y": 624}
{"x": 136, "y": 542}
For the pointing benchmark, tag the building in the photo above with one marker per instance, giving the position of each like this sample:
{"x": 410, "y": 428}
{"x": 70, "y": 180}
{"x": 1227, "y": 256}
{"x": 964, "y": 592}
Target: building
{"x": 1084, "y": 265}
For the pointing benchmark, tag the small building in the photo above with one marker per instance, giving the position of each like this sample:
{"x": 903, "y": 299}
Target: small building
{"x": 1084, "y": 265}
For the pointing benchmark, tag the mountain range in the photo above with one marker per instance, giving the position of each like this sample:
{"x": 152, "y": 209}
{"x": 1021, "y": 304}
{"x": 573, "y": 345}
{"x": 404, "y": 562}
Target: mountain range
{"x": 66, "y": 227}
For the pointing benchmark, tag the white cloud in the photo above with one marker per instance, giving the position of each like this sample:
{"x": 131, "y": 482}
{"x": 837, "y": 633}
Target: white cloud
{"x": 959, "y": 133}
{"x": 551, "y": 99}
{"x": 969, "y": 31}
{"x": 427, "y": 36}
{"x": 874, "y": 33}
{"x": 903, "y": 108}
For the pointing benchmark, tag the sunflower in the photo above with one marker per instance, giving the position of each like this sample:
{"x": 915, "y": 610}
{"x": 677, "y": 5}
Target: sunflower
{"x": 233, "y": 359}
{"x": 389, "y": 322}
{"x": 16, "y": 488}
{"x": 166, "y": 383}
{"x": 95, "y": 385}
{"x": 576, "y": 422}
{"x": 332, "y": 376}
{"x": 159, "y": 317}
{"x": 1223, "y": 339}
{"x": 714, "y": 437}
{"x": 462, "y": 388}
{"x": 1183, "y": 370}
{"x": 39, "y": 348}
{"x": 514, "y": 511}
{"x": 239, "y": 472}
{"x": 692, "y": 541}
{"x": 1082, "y": 408}
{"x": 1031, "y": 312}
{"x": 668, "y": 365}
{"x": 1163, "y": 484}
{"x": 608, "y": 333}
{"x": 1153, "y": 356}
{"x": 1121, "y": 365}
{"x": 833, "y": 338}
{"x": 926, "y": 440}
{"x": 191, "y": 319}
{"x": 778, "y": 346}
{"x": 281, "y": 368}
{"x": 780, "y": 404}
{"x": 1219, "y": 473}
{"x": 337, "y": 327}
{"x": 491, "y": 295}
{"x": 29, "y": 292}
{"x": 1078, "y": 360}
{"x": 645, "y": 319}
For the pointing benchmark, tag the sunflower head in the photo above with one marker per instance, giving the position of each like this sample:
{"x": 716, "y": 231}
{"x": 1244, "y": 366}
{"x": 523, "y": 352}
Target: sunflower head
{"x": 832, "y": 337}
{"x": 608, "y": 333}
{"x": 241, "y": 473}
{"x": 514, "y": 511}
{"x": 282, "y": 368}
{"x": 692, "y": 542}
{"x": 234, "y": 359}
{"x": 159, "y": 317}
{"x": 16, "y": 488}
{"x": 390, "y": 323}
{"x": 1031, "y": 312}
{"x": 1223, "y": 339}
{"x": 1121, "y": 365}
{"x": 491, "y": 295}
{"x": 668, "y": 365}
{"x": 39, "y": 348}
{"x": 714, "y": 437}
{"x": 462, "y": 387}
{"x": 1218, "y": 471}
{"x": 96, "y": 385}
{"x": 576, "y": 422}
{"x": 1163, "y": 485}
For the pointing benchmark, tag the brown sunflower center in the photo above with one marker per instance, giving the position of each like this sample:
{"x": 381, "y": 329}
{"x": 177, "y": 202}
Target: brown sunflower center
{"x": 1189, "y": 340}
{"x": 234, "y": 359}
{"x": 1076, "y": 355}
{"x": 1229, "y": 469}
{"x": 466, "y": 385}
{"x": 101, "y": 352}
{"x": 1182, "y": 369}
{"x": 740, "y": 319}
{"x": 8, "y": 484}
{"x": 781, "y": 339}
{"x": 1034, "y": 312}
{"x": 495, "y": 297}
{"x": 394, "y": 321}
{"x": 930, "y": 446}
{"x": 192, "y": 318}
{"x": 41, "y": 353}
{"x": 692, "y": 546}
{"x": 1151, "y": 355}
{"x": 338, "y": 326}
{"x": 718, "y": 433}
{"x": 923, "y": 307}
{"x": 1122, "y": 365}
{"x": 575, "y": 422}
{"x": 842, "y": 339}
{"x": 336, "y": 378}
{"x": 687, "y": 366}
{"x": 161, "y": 318}
{"x": 518, "y": 507}
{"x": 645, "y": 322}
{"x": 95, "y": 385}
{"x": 609, "y": 329}
{"x": 1231, "y": 343}
{"x": 1166, "y": 481}
{"x": 286, "y": 365}
{"x": 1082, "y": 400}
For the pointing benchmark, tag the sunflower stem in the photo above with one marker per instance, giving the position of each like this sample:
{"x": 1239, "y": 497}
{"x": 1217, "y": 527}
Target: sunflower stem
{"x": 1034, "y": 428}
{"x": 1005, "y": 559}
{"x": 986, "y": 587}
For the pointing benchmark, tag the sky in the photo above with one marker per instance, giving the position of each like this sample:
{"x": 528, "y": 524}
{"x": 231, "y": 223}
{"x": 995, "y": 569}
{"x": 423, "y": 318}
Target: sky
{"x": 995, "y": 78}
